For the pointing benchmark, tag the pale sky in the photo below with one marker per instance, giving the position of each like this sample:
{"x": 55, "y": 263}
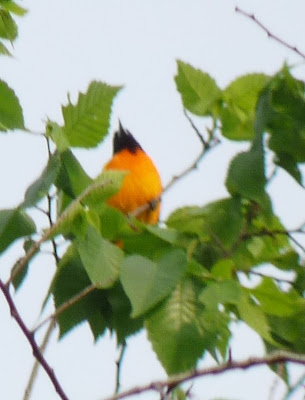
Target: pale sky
{"x": 63, "y": 45}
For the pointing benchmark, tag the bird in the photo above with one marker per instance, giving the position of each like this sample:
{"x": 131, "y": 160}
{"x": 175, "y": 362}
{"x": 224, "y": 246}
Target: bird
{"x": 140, "y": 193}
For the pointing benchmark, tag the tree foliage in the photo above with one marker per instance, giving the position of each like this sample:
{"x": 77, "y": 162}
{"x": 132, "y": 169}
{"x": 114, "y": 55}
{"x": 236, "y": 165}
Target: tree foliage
{"x": 182, "y": 281}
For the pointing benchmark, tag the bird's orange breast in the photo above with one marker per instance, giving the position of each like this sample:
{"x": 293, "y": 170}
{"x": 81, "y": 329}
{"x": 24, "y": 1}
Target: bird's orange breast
{"x": 140, "y": 186}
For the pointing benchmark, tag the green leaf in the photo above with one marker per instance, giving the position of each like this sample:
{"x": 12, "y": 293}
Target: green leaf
{"x": 69, "y": 281}
{"x": 146, "y": 282}
{"x": 102, "y": 308}
{"x": 11, "y": 116}
{"x": 113, "y": 224}
{"x": 280, "y": 111}
{"x": 289, "y": 332}
{"x": 14, "y": 224}
{"x": 246, "y": 175}
{"x": 72, "y": 178}
{"x": 4, "y": 50}
{"x": 224, "y": 292}
{"x": 118, "y": 315}
{"x": 200, "y": 93}
{"x": 167, "y": 234}
{"x": 290, "y": 165}
{"x": 14, "y": 8}
{"x": 253, "y": 316}
{"x": 240, "y": 99}
{"x": 276, "y": 302}
{"x": 19, "y": 278}
{"x": 174, "y": 331}
{"x": 8, "y": 27}
{"x": 41, "y": 186}
{"x": 87, "y": 122}
{"x": 56, "y": 133}
{"x": 224, "y": 269}
{"x": 187, "y": 219}
{"x": 100, "y": 258}
{"x": 223, "y": 221}
{"x": 107, "y": 184}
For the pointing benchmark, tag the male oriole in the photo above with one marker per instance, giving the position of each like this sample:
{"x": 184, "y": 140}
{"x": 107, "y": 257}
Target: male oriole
{"x": 141, "y": 186}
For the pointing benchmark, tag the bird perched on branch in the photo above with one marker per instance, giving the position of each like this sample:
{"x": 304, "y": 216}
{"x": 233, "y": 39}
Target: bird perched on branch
{"x": 140, "y": 193}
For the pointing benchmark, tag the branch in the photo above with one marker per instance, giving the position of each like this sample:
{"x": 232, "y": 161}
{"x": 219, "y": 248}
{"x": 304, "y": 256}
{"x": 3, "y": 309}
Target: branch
{"x": 206, "y": 145}
{"x": 49, "y": 233}
{"x": 33, "y": 375}
{"x": 269, "y": 34}
{"x": 66, "y": 305}
{"x": 270, "y": 359}
{"x": 30, "y": 337}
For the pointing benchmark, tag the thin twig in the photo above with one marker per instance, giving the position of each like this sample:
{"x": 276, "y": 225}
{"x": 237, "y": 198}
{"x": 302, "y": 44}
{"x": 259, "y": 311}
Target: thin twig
{"x": 279, "y": 280}
{"x": 292, "y": 389}
{"x": 31, "y": 339}
{"x": 42, "y": 348}
{"x": 66, "y": 305}
{"x": 206, "y": 146}
{"x": 270, "y": 359}
{"x": 119, "y": 366}
{"x": 270, "y": 34}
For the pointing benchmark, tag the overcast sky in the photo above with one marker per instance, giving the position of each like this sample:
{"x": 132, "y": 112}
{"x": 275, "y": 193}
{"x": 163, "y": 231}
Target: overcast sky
{"x": 63, "y": 45}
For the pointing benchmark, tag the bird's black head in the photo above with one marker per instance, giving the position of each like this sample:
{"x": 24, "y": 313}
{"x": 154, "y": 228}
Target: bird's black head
{"x": 123, "y": 139}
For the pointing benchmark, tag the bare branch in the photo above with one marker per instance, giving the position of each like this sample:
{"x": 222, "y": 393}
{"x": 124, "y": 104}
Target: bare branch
{"x": 279, "y": 280}
{"x": 42, "y": 348}
{"x": 270, "y": 359}
{"x": 270, "y": 34}
{"x": 31, "y": 339}
{"x": 206, "y": 146}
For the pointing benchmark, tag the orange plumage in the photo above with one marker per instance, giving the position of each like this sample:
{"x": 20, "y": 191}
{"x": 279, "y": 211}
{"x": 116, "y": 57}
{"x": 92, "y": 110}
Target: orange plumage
{"x": 142, "y": 185}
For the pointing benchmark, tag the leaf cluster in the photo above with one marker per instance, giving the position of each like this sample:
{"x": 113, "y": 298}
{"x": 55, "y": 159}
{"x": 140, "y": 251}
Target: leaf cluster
{"x": 183, "y": 281}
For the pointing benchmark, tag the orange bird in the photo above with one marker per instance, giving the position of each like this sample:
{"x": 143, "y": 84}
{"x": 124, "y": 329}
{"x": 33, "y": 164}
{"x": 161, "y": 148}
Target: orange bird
{"x": 141, "y": 187}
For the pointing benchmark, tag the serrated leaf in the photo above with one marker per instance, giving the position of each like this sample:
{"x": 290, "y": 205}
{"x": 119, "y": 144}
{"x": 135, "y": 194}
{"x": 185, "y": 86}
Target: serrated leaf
{"x": 100, "y": 258}
{"x": 200, "y": 93}
{"x": 246, "y": 175}
{"x": 14, "y": 223}
{"x": 276, "y": 302}
{"x": 240, "y": 99}
{"x": 173, "y": 329}
{"x": 8, "y": 27}
{"x": 146, "y": 282}
{"x": 87, "y": 122}
{"x": 11, "y": 116}
{"x": 38, "y": 189}
{"x": 4, "y": 50}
